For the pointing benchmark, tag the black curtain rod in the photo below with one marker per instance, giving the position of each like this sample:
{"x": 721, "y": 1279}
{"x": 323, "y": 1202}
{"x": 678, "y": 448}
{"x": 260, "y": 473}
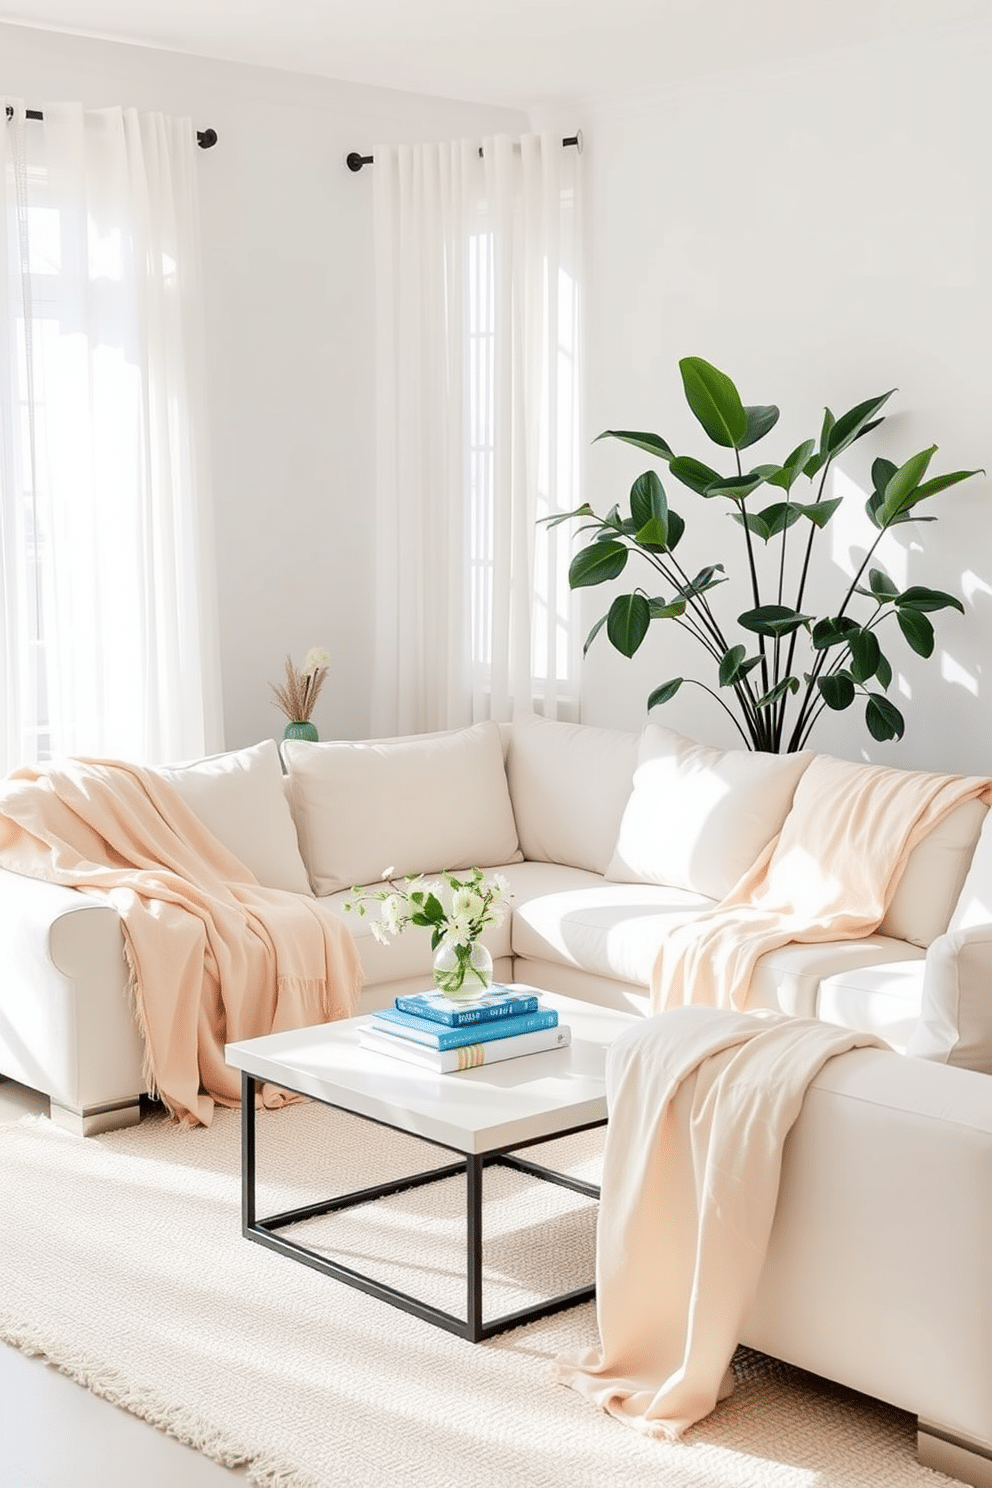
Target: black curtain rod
{"x": 354, "y": 161}
{"x": 205, "y": 138}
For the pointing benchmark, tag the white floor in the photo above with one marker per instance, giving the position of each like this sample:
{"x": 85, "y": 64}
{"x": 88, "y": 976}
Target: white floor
{"x": 55, "y": 1434}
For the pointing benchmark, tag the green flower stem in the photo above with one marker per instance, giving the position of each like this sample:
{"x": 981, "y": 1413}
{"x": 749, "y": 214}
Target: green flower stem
{"x": 454, "y": 980}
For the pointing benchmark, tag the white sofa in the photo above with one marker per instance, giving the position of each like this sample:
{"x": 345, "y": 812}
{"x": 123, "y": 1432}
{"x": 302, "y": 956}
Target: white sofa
{"x": 877, "y": 1275}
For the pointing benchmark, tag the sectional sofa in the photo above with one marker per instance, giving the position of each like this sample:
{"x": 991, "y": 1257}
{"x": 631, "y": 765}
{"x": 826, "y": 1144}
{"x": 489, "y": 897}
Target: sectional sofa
{"x": 877, "y": 1274}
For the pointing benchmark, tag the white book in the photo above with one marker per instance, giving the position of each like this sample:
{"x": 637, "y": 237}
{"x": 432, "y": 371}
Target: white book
{"x": 467, "y": 1056}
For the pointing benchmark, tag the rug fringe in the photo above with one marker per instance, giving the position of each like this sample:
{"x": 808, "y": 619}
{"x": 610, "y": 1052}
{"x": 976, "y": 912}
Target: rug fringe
{"x": 184, "y": 1425}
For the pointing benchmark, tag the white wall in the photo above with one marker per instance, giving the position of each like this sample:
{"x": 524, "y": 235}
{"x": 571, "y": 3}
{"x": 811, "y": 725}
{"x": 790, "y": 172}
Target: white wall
{"x": 287, "y": 247}
{"x": 821, "y": 230}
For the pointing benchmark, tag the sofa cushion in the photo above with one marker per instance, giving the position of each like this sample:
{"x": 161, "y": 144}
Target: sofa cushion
{"x": 569, "y": 784}
{"x": 933, "y": 879}
{"x": 240, "y": 798}
{"x": 884, "y": 999}
{"x": 420, "y": 804}
{"x": 607, "y": 929}
{"x": 790, "y": 977}
{"x": 698, "y": 817}
{"x": 974, "y": 903}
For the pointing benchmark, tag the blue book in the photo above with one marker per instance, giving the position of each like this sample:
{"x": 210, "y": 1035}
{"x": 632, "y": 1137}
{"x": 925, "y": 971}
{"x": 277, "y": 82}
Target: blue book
{"x": 440, "y": 1009}
{"x": 437, "y": 1036}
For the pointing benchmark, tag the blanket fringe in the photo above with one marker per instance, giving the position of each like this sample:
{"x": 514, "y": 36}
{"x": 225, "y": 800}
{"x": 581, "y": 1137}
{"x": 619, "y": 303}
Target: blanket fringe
{"x": 182, "y": 1424}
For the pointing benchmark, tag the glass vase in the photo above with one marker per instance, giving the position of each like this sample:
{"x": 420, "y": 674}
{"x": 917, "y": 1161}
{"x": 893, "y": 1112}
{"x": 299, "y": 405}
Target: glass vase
{"x": 463, "y": 972}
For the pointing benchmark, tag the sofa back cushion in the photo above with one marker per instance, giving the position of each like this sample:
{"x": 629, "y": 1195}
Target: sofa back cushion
{"x": 699, "y": 817}
{"x": 569, "y": 784}
{"x": 240, "y": 798}
{"x": 934, "y": 876}
{"x": 974, "y": 903}
{"x": 419, "y": 804}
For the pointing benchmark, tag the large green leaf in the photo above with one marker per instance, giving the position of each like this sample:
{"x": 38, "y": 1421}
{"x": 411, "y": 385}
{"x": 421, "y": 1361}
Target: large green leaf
{"x": 918, "y": 631}
{"x": 789, "y": 473}
{"x": 670, "y": 611}
{"x": 593, "y": 633}
{"x": 759, "y": 419}
{"x": 730, "y": 665}
{"x": 941, "y": 483}
{"x": 883, "y": 718}
{"x": 585, "y": 510}
{"x": 653, "y": 443}
{"x": 883, "y": 672}
{"x": 596, "y": 564}
{"x": 676, "y": 527}
{"x": 772, "y": 620}
{"x": 647, "y": 499}
{"x": 835, "y": 630}
{"x": 865, "y": 655}
{"x": 737, "y": 487}
{"x": 665, "y": 692}
{"x": 627, "y": 622}
{"x": 916, "y": 597}
{"x": 705, "y": 579}
{"x": 820, "y": 512}
{"x": 901, "y": 487}
{"x": 837, "y": 690}
{"x": 787, "y": 684}
{"x": 881, "y": 585}
{"x": 715, "y": 402}
{"x": 850, "y": 425}
{"x": 693, "y": 473}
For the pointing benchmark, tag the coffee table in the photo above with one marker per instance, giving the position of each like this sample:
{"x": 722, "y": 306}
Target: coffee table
{"x": 486, "y": 1115}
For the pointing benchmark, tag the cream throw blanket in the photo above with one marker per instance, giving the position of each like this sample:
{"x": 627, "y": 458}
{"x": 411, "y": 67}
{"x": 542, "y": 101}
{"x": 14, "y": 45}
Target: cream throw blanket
{"x": 213, "y": 956}
{"x": 700, "y": 1102}
{"x": 829, "y": 875}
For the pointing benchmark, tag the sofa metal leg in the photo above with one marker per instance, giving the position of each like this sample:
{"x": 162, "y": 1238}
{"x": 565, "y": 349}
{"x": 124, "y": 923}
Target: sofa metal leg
{"x": 970, "y": 1462}
{"x": 89, "y": 1121}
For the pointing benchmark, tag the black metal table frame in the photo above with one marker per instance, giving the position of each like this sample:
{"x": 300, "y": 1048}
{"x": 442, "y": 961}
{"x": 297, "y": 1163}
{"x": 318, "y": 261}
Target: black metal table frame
{"x": 471, "y": 1327}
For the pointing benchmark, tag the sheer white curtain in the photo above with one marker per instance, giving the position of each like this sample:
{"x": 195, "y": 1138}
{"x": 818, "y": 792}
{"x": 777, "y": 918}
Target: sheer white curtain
{"x": 477, "y": 285}
{"x": 109, "y": 643}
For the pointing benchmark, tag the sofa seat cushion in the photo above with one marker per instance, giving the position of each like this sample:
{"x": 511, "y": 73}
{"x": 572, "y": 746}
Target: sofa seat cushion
{"x": 791, "y": 978}
{"x": 607, "y": 929}
{"x": 884, "y": 999}
{"x": 420, "y": 804}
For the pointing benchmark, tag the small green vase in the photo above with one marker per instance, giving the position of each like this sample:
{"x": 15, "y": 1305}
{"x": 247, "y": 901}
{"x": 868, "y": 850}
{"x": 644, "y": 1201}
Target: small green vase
{"x": 302, "y": 731}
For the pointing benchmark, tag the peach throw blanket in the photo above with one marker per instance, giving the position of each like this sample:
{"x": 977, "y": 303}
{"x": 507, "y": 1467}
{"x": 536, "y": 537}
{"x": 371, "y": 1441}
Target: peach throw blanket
{"x": 213, "y": 956}
{"x": 700, "y": 1102}
{"x": 829, "y": 875}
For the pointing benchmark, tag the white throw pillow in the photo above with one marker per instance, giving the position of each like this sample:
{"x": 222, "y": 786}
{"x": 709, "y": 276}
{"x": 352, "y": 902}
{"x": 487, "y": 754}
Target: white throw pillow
{"x": 420, "y": 804}
{"x": 932, "y": 881}
{"x": 569, "y": 784}
{"x": 698, "y": 817}
{"x": 240, "y": 798}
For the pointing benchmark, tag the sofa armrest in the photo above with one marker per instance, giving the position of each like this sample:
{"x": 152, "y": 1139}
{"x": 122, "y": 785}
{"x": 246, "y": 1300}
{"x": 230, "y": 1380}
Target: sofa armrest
{"x": 66, "y": 1023}
{"x": 955, "y": 1025}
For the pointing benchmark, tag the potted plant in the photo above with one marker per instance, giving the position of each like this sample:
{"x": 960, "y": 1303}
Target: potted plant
{"x": 784, "y": 665}
{"x": 297, "y": 696}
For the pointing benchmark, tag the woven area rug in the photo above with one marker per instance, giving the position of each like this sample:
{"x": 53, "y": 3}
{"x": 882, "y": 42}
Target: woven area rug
{"x": 122, "y": 1262}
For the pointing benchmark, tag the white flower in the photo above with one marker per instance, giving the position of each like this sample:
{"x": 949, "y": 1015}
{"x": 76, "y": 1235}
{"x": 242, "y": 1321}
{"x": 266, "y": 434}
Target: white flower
{"x": 315, "y": 658}
{"x": 391, "y": 913}
{"x": 378, "y": 932}
{"x": 459, "y": 931}
{"x": 466, "y": 904}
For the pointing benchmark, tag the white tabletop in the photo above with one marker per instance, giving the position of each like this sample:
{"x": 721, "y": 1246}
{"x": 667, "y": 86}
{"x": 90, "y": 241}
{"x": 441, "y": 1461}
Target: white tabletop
{"x": 477, "y": 1110}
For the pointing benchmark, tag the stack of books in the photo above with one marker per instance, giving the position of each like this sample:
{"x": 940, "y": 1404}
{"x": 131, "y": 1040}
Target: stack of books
{"x": 430, "y": 1030}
